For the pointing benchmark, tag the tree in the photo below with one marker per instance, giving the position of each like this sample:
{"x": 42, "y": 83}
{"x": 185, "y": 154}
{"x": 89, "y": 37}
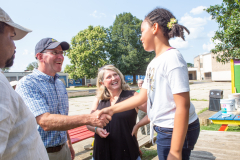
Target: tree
{"x": 127, "y": 52}
{"x": 190, "y": 65}
{"x": 32, "y": 65}
{"x": 6, "y": 69}
{"x": 88, "y": 52}
{"x": 227, "y": 16}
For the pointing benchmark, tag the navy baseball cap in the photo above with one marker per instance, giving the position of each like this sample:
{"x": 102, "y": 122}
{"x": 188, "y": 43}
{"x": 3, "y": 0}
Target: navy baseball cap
{"x": 50, "y": 43}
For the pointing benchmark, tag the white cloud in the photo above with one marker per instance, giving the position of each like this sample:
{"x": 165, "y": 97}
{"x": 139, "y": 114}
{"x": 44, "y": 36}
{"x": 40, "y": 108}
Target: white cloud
{"x": 198, "y": 10}
{"x": 96, "y": 14}
{"x": 27, "y": 52}
{"x": 211, "y": 34}
{"x": 194, "y": 24}
{"x": 178, "y": 43}
{"x": 210, "y": 45}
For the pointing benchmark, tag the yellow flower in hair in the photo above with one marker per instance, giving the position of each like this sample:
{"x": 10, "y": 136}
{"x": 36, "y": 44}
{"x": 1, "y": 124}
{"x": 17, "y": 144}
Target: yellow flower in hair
{"x": 171, "y": 23}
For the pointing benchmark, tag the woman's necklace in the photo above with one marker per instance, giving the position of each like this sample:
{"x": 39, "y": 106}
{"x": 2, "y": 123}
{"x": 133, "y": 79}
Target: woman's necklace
{"x": 114, "y": 99}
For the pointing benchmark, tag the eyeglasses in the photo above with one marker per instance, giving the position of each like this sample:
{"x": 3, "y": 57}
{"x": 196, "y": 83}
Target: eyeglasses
{"x": 56, "y": 52}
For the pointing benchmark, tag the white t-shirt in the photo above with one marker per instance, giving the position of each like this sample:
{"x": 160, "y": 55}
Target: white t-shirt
{"x": 19, "y": 137}
{"x": 166, "y": 75}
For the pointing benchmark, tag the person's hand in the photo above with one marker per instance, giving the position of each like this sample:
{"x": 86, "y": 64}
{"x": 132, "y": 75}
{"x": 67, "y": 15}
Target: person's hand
{"x": 105, "y": 111}
{"x": 135, "y": 130}
{"x": 174, "y": 155}
{"x": 72, "y": 151}
{"x": 99, "y": 122}
{"x": 102, "y": 132}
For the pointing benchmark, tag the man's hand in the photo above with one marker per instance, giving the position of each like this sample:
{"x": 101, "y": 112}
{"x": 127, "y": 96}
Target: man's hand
{"x": 102, "y": 132}
{"x": 99, "y": 122}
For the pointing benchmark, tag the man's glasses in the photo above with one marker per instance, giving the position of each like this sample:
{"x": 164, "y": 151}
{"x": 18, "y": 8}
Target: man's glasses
{"x": 56, "y": 52}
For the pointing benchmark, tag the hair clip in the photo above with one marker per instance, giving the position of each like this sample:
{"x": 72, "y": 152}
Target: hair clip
{"x": 171, "y": 23}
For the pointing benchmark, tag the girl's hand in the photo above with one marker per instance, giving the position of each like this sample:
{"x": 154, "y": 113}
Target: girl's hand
{"x": 102, "y": 132}
{"x": 174, "y": 156}
{"x": 135, "y": 130}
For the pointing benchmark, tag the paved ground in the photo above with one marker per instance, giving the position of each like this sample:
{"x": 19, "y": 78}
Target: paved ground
{"x": 198, "y": 91}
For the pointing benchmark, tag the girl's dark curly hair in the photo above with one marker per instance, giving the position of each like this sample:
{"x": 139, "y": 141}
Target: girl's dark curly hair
{"x": 162, "y": 17}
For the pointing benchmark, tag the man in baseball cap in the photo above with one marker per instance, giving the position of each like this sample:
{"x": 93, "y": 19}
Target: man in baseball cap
{"x": 46, "y": 96}
{"x": 19, "y": 138}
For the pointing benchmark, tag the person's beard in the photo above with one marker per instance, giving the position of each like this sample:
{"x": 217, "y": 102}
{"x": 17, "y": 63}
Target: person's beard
{"x": 9, "y": 62}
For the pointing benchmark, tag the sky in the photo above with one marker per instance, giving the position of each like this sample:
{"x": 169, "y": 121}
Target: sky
{"x": 62, "y": 20}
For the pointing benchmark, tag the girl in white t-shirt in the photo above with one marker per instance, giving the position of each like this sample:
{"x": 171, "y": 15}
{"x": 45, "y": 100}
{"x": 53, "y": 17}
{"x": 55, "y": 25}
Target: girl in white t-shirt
{"x": 166, "y": 89}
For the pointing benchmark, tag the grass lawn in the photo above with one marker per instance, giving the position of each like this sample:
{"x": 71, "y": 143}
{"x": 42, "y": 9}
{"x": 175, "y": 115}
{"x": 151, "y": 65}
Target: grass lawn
{"x": 215, "y": 127}
{"x": 148, "y": 154}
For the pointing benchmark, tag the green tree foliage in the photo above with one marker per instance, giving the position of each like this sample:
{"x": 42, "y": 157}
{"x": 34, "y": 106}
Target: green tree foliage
{"x": 6, "y": 69}
{"x": 32, "y": 65}
{"x": 190, "y": 65}
{"x": 88, "y": 52}
{"x": 227, "y": 16}
{"x": 127, "y": 52}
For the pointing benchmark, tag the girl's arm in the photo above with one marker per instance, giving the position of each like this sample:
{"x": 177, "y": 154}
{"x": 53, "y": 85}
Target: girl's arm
{"x": 142, "y": 107}
{"x": 128, "y": 104}
{"x": 182, "y": 101}
{"x": 141, "y": 123}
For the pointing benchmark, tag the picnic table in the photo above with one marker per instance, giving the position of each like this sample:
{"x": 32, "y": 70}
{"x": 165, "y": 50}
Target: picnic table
{"x": 79, "y": 134}
{"x": 218, "y": 119}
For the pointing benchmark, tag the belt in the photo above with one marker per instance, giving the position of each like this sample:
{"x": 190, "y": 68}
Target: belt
{"x": 54, "y": 149}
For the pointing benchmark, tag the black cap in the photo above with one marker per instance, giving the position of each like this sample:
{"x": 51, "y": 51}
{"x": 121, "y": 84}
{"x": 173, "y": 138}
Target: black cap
{"x": 50, "y": 43}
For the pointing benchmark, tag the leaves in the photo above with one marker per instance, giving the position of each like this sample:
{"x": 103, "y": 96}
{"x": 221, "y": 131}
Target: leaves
{"x": 32, "y": 65}
{"x": 127, "y": 52}
{"x": 88, "y": 52}
{"x": 227, "y": 16}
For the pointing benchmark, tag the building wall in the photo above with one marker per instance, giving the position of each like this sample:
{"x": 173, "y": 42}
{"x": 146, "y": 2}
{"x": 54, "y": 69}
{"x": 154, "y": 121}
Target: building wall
{"x": 221, "y": 76}
{"x": 207, "y": 63}
{"x": 218, "y": 66}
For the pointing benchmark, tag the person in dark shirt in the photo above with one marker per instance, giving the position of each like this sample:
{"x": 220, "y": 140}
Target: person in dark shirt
{"x": 115, "y": 142}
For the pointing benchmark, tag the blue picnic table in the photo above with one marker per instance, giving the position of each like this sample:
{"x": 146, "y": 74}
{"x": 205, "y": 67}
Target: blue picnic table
{"x": 218, "y": 119}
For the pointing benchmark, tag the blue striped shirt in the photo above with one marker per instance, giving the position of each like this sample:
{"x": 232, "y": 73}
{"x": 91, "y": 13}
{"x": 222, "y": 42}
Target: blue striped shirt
{"x": 43, "y": 93}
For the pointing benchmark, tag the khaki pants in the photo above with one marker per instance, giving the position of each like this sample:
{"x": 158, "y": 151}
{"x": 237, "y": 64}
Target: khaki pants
{"x": 63, "y": 154}
{"x": 141, "y": 115}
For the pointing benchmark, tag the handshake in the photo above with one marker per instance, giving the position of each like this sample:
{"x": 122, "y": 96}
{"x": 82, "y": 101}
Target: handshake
{"x": 100, "y": 118}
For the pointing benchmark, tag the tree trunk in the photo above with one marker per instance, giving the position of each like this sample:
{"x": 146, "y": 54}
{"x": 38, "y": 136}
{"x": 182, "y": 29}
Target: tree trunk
{"x": 134, "y": 79}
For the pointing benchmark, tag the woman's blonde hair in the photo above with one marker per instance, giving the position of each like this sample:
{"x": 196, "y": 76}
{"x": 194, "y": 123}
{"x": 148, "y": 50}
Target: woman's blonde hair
{"x": 102, "y": 91}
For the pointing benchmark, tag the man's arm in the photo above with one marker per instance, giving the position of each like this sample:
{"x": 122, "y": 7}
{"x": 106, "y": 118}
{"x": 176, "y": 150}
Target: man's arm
{"x": 37, "y": 103}
{"x": 58, "y": 122}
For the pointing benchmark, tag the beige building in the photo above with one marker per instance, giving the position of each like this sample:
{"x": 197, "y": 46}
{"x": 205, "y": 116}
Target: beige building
{"x": 207, "y": 68}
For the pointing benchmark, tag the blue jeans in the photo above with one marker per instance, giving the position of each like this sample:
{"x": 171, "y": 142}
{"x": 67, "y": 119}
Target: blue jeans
{"x": 164, "y": 137}
{"x": 136, "y": 159}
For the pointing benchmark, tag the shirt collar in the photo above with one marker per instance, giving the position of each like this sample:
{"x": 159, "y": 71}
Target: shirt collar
{"x": 45, "y": 76}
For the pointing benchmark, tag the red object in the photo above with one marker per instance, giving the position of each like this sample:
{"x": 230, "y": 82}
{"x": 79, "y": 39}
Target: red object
{"x": 223, "y": 127}
{"x": 89, "y": 85}
{"x": 79, "y": 134}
